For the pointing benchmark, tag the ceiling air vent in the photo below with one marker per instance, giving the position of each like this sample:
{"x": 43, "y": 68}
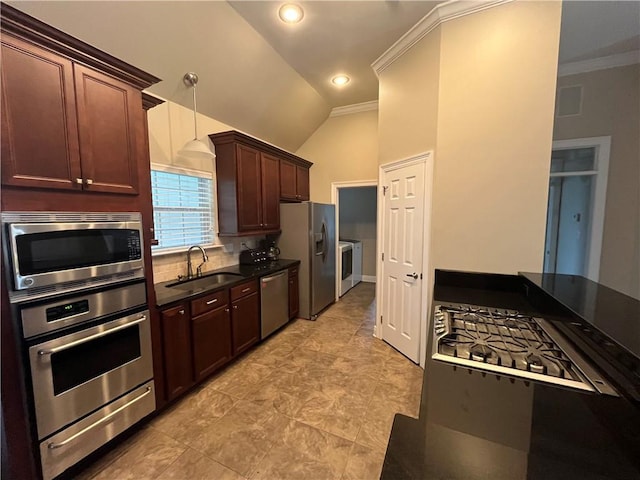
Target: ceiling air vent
{"x": 569, "y": 101}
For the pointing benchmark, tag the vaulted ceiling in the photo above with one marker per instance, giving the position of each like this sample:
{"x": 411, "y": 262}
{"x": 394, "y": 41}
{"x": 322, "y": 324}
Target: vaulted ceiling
{"x": 255, "y": 78}
{"x": 270, "y": 79}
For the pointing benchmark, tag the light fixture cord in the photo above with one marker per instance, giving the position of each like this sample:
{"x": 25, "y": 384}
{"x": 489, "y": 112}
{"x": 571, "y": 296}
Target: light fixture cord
{"x": 195, "y": 115}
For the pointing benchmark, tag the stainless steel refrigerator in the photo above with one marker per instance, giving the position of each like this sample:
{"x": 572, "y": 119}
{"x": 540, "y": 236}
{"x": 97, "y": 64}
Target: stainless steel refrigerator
{"x": 309, "y": 234}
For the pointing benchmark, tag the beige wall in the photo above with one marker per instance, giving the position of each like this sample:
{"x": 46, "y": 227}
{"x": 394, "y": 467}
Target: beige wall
{"x": 493, "y": 100}
{"x": 408, "y": 101}
{"x": 611, "y": 106}
{"x": 358, "y": 209}
{"x": 170, "y": 127}
{"x": 344, "y": 148}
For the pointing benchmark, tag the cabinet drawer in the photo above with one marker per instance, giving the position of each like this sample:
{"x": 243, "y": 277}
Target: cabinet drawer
{"x": 244, "y": 289}
{"x": 209, "y": 302}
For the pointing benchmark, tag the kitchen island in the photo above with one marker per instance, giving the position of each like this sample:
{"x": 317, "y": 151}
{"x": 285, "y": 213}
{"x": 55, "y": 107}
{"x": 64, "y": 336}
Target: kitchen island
{"x": 478, "y": 425}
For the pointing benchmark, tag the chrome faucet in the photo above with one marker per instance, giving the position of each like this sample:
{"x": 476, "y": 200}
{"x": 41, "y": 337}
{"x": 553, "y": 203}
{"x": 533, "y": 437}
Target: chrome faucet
{"x": 190, "y": 267}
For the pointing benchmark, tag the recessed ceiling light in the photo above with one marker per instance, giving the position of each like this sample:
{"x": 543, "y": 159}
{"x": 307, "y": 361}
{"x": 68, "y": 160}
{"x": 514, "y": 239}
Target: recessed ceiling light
{"x": 340, "y": 80}
{"x": 290, "y": 13}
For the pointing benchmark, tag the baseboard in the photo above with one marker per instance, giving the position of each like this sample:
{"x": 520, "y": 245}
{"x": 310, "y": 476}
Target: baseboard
{"x": 369, "y": 278}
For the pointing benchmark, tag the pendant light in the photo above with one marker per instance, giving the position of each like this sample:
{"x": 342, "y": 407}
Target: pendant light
{"x": 195, "y": 149}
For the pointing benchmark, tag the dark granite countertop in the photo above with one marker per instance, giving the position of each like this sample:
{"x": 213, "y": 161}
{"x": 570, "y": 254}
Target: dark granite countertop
{"x": 168, "y": 295}
{"x": 474, "y": 425}
{"x": 614, "y": 313}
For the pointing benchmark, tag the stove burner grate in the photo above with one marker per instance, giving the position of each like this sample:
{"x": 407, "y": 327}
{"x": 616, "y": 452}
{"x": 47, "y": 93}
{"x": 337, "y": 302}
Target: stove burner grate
{"x": 504, "y": 338}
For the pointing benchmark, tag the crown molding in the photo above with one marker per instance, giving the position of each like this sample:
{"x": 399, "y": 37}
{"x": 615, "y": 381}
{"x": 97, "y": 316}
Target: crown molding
{"x": 441, "y": 13}
{"x": 355, "y": 108}
{"x": 600, "y": 63}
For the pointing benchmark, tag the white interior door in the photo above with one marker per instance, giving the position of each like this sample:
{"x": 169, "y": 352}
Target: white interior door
{"x": 402, "y": 249}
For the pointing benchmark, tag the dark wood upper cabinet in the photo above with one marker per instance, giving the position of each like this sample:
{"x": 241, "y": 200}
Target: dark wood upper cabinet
{"x": 288, "y": 189}
{"x": 302, "y": 183}
{"x": 39, "y": 122}
{"x": 270, "y": 175}
{"x": 249, "y": 178}
{"x": 110, "y": 123}
{"x": 249, "y": 188}
{"x": 72, "y": 115}
{"x": 294, "y": 182}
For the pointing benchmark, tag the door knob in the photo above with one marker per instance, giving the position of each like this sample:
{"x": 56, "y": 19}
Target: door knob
{"x": 414, "y": 275}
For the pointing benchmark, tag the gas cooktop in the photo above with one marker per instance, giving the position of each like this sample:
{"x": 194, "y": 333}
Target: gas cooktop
{"x": 510, "y": 343}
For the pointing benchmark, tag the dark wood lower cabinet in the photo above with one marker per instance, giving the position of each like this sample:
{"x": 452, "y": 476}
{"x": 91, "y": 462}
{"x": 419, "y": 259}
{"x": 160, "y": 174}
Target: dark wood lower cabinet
{"x": 176, "y": 346}
{"x": 211, "y": 334}
{"x": 245, "y": 320}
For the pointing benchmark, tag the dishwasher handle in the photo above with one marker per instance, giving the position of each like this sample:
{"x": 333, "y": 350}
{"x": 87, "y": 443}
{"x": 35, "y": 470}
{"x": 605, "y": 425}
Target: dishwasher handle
{"x": 273, "y": 277}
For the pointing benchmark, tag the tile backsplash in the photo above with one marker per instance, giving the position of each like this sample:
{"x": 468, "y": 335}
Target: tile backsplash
{"x": 168, "y": 267}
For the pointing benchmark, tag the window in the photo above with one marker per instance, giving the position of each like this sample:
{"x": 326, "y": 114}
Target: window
{"x": 182, "y": 207}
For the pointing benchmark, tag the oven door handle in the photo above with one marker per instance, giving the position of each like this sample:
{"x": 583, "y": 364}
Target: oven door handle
{"x": 90, "y": 338}
{"x": 52, "y": 446}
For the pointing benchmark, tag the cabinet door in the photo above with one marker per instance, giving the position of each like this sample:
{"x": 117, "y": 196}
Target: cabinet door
{"x": 39, "y": 124}
{"x": 111, "y": 131}
{"x": 245, "y": 323}
{"x": 176, "y": 350}
{"x": 211, "y": 341}
{"x": 288, "y": 180}
{"x": 302, "y": 183}
{"x": 249, "y": 188}
{"x": 294, "y": 293}
{"x": 270, "y": 171}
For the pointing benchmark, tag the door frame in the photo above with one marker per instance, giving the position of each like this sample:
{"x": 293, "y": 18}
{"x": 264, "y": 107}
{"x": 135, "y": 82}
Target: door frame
{"x": 427, "y": 273}
{"x": 602, "y": 147}
{"x": 335, "y": 187}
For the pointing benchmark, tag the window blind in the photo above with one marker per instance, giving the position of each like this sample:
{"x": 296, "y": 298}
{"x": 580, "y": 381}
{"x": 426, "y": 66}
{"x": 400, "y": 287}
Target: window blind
{"x": 182, "y": 207}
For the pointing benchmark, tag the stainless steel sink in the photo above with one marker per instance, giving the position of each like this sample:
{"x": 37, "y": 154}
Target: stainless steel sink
{"x": 208, "y": 281}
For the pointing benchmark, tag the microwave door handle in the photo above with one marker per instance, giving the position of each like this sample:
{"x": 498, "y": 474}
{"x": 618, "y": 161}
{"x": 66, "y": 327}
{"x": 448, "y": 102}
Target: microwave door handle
{"x": 90, "y": 338}
{"x": 52, "y": 446}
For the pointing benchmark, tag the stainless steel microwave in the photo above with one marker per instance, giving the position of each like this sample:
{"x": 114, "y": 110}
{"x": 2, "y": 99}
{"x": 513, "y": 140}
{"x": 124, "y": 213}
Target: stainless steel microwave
{"x": 54, "y": 252}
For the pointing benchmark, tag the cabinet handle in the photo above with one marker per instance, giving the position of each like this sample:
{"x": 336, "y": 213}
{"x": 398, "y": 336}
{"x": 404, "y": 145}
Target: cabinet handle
{"x": 235, "y": 307}
{"x": 79, "y": 181}
{"x": 88, "y": 181}
{"x": 212, "y": 301}
{"x": 245, "y": 290}
{"x": 181, "y": 312}
{"x": 226, "y": 310}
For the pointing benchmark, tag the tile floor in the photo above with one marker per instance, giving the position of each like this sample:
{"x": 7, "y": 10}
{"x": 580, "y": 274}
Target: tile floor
{"x": 315, "y": 401}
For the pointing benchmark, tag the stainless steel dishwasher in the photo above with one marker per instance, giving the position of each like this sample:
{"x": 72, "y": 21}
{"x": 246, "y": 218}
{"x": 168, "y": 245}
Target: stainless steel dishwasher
{"x": 274, "y": 302}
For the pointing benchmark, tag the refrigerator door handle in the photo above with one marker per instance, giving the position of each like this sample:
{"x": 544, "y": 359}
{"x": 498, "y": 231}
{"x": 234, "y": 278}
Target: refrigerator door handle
{"x": 321, "y": 242}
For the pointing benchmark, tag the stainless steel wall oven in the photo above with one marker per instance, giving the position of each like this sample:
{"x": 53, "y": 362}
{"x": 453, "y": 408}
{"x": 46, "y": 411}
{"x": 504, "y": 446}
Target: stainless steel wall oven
{"x": 79, "y": 298}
